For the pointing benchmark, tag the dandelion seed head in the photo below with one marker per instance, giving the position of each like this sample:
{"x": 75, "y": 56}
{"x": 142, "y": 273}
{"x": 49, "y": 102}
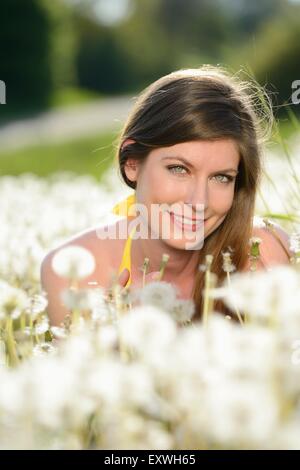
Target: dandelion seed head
{"x": 295, "y": 242}
{"x": 73, "y": 262}
{"x": 13, "y": 301}
{"x": 183, "y": 310}
{"x": 160, "y": 294}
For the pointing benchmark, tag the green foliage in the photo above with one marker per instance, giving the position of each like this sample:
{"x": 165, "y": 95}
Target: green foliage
{"x": 72, "y": 96}
{"x": 89, "y": 155}
{"x": 274, "y": 56}
{"x": 101, "y": 64}
{"x": 123, "y": 58}
{"x": 25, "y": 46}
{"x": 63, "y": 42}
{"x": 37, "y": 51}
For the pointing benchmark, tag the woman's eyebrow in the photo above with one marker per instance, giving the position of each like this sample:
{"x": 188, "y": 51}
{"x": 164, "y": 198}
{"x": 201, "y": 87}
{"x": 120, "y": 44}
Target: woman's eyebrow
{"x": 191, "y": 166}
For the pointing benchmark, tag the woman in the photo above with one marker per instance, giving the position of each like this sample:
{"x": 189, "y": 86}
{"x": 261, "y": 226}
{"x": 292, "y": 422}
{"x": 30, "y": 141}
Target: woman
{"x": 193, "y": 141}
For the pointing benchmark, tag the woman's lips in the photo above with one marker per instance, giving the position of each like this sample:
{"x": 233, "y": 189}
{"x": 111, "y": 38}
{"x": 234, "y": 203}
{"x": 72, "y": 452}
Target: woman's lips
{"x": 186, "y": 223}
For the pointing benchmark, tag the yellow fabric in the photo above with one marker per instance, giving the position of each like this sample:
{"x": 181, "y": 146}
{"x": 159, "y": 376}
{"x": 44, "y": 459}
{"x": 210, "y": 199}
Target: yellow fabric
{"x": 123, "y": 208}
{"x": 126, "y": 259}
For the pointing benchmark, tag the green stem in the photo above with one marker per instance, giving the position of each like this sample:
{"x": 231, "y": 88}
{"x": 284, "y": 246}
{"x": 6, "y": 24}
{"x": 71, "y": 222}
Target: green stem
{"x": 13, "y": 359}
{"x": 144, "y": 269}
{"x": 75, "y": 316}
{"x": 206, "y": 298}
{"x": 235, "y": 307}
{"x": 23, "y": 321}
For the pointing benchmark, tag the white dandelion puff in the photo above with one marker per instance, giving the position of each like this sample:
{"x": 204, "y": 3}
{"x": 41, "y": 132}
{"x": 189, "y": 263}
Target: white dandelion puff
{"x": 43, "y": 349}
{"x": 147, "y": 328}
{"x": 42, "y": 325}
{"x": 295, "y": 243}
{"x": 228, "y": 266}
{"x": 58, "y": 332}
{"x": 183, "y": 310}
{"x": 13, "y": 301}
{"x": 73, "y": 262}
{"x": 160, "y": 294}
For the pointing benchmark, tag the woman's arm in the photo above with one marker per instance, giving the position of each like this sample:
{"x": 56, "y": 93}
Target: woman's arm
{"x": 54, "y": 285}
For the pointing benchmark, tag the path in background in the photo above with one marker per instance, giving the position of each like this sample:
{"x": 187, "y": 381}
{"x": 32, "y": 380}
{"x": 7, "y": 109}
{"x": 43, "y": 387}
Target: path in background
{"x": 65, "y": 124}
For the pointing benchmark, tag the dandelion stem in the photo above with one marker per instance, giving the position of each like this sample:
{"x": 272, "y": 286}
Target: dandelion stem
{"x": 254, "y": 254}
{"x": 207, "y": 305}
{"x": 144, "y": 269}
{"x": 75, "y": 316}
{"x": 10, "y": 343}
{"x": 163, "y": 264}
{"x": 235, "y": 307}
{"x": 23, "y": 321}
{"x": 116, "y": 288}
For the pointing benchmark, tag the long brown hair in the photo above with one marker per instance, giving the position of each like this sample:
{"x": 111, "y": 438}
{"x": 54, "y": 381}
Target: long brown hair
{"x": 206, "y": 103}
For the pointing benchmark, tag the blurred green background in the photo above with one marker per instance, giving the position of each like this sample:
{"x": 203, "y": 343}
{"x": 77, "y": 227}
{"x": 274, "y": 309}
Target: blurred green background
{"x": 63, "y": 61}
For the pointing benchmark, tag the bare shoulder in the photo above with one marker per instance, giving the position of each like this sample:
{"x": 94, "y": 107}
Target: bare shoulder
{"x": 275, "y": 243}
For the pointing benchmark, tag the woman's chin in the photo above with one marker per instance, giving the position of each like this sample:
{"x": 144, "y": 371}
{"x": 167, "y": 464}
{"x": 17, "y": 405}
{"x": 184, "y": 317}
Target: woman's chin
{"x": 187, "y": 241}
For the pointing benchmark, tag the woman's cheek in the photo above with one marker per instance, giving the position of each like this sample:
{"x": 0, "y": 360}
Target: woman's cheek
{"x": 228, "y": 201}
{"x": 221, "y": 201}
{"x": 164, "y": 190}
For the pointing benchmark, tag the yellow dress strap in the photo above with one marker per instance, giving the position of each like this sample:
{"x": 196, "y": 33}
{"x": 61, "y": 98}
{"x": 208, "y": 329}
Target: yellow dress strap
{"x": 124, "y": 207}
{"x": 126, "y": 259}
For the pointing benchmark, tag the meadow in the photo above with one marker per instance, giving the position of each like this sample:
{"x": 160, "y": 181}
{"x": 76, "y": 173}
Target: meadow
{"x": 131, "y": 370}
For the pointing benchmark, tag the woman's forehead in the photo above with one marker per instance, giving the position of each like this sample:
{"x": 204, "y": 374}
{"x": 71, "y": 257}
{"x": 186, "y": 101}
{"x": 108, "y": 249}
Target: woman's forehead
{"x": 199, "y": 153}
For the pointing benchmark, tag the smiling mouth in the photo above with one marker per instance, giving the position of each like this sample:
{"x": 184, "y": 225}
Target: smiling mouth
{"x": 187, "y": 223}
{"x": 187, "y": 219}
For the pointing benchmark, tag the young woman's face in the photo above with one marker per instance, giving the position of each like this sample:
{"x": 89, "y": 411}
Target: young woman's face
{"x": 192, "y": 176}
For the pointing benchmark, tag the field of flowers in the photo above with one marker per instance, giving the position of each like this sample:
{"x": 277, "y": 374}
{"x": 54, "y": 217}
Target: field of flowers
{"x": 132, "y": 370}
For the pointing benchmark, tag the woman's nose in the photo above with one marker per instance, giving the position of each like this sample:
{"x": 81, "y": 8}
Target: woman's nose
{"x": 198, "y": 196}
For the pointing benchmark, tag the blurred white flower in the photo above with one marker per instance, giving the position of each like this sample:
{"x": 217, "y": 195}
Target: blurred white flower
{"x": 242, "y": 413}
{"x": 228, "y": 265}
{"x": 183, "y": 310}
{"x": 76, "y": 299}
{"x": 38, "y": 304}
{"x": 58, "y": 332}
{"x": 73, "y": 262}
{"x": 41, "y": 325}
{"x": 222, "y": 386}
{"x": 295, "y": 243}
{"x": 240, "y": 352}
{"x": 264, "y": 293}
{"x": 107, "y": 338}
{"x": 147, "y": 329}
{"x": 13, "y": 301}
{"x": 160, "y": 294}
{"x": 43, "y": 349}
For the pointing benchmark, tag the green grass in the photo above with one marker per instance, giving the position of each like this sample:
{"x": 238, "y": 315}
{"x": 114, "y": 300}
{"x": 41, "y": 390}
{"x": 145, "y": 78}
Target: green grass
{"x": 90, "y": 155}
{"x": 72, "y": 96}
{"x": 287, "y": 128}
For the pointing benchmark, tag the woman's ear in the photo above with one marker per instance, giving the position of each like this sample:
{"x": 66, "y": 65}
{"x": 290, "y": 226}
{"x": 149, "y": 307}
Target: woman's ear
{"x": 131, "y": 168}
{"x": 131, "y": 165}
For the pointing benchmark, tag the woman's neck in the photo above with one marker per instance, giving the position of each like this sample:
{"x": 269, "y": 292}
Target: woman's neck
{"x": 182, "y": 264}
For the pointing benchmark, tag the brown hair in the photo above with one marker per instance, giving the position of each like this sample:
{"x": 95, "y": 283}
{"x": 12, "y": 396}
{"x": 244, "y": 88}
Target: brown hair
{"x": 206, "y": 103}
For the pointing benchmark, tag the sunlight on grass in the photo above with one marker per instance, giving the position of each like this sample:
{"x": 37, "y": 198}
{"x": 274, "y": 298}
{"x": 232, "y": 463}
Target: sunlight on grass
{"x": 72, "y": 96}
{"x": 89, "y": 155}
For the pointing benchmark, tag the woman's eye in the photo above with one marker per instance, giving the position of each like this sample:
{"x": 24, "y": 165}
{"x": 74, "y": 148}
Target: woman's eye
{"x": 181, "y": 170}
{"x": 224, "y": 178}
{"x": 173, "y": 168}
